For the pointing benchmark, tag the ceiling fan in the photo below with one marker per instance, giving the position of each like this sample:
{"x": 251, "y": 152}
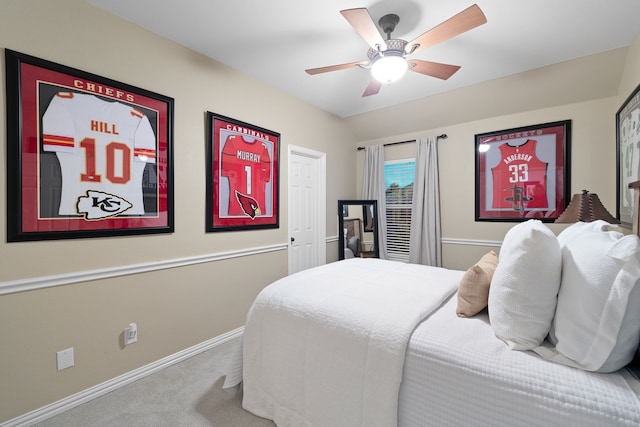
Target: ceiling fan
{"x": 388, "y": 59}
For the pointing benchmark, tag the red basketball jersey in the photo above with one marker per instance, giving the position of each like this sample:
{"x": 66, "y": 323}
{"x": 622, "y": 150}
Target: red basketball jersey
{"x": 520, "y": 179}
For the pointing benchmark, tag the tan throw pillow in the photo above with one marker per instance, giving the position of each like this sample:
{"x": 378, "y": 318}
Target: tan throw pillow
{"x": 473, "y": 291}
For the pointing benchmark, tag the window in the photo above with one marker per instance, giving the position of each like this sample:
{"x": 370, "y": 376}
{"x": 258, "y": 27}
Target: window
{"x": 398, "y": 176}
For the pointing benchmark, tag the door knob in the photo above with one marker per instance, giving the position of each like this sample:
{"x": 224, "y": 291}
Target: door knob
{"x": 293, "y": 239}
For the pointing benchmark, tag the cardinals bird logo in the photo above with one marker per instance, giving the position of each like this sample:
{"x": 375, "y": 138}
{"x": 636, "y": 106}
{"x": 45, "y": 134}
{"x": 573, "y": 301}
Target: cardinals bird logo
{"x": 248, "y": 204}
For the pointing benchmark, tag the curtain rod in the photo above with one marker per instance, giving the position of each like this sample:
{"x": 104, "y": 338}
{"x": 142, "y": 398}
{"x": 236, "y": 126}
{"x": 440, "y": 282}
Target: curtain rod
{"x": 443, "y": 136}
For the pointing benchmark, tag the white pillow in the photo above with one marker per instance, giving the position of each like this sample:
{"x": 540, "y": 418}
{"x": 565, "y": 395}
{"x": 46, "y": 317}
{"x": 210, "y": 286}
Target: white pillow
{"x": 568, "y": 234}
{"x": 597, "y": 321}
{"x": 524, "y": 288}
{"x": 578, "y": 228}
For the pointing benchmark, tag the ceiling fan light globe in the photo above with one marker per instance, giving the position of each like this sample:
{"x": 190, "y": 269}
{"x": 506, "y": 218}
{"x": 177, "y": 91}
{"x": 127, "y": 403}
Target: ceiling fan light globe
{"x": 388, "y": 69}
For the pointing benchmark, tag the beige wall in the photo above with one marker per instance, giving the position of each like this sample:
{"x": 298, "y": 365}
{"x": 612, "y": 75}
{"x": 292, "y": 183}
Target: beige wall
{"x": 174, "y": 308}
{"x": 593, "y": 159}
{"x": 631, "y": 76}
{"x": 592, "y": 168}
{"x": 179, "y": 307}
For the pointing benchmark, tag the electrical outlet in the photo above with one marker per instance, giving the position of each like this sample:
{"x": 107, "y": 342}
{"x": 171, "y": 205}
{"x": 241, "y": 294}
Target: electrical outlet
{"x": 131, "y": 334}
{"x": 64, "y": 359}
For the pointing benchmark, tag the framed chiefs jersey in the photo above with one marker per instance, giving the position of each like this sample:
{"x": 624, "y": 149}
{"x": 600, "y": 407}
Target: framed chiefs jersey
{"x": 242, "y": 175}
{"x": 523, "y": 173}
{"x": 87, "y": 156}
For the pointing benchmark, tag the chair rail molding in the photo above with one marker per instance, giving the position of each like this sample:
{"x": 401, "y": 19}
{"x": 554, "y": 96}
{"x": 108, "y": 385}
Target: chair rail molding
{"x": 471, "y": 242}
{"x": 33, "y": 283}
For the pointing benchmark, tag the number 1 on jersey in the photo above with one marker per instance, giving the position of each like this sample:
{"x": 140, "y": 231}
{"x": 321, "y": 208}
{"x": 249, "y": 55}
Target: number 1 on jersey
{"x": 247, "y": 171}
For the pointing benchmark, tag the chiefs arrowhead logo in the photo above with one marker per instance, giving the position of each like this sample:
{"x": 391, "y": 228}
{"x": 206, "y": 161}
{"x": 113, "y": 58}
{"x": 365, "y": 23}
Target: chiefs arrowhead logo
{"x": 99, "y": 205}
{"x": 248, "y": 204}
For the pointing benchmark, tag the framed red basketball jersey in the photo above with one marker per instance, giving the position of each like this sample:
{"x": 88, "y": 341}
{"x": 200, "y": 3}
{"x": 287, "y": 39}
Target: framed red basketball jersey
{"x": 242, "y": 175}
{"x": 522, "y": 173}
{"x": 519, "y": 178}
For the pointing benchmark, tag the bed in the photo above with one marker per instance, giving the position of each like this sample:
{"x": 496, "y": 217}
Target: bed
{"x": 546, "y": 335}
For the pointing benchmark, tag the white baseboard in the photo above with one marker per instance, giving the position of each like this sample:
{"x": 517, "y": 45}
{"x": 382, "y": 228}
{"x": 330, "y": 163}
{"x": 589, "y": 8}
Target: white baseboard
{"x": 84, "y": 396}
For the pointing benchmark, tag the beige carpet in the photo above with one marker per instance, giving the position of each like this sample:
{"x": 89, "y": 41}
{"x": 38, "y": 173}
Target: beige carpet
{"x": 188, "y": 394}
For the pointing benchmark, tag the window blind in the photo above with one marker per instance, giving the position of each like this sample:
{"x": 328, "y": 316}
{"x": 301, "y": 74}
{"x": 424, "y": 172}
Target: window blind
{"x": 399, "y": 176}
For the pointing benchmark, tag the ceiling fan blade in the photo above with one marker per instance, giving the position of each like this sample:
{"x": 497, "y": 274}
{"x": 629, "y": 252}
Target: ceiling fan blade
{"x": 361, "y": 21}
{"x": 319, "y": 70}
{"x": 372, "y": 88}
{"x": 464, "y": 21}
{"x": 433, "y": 69}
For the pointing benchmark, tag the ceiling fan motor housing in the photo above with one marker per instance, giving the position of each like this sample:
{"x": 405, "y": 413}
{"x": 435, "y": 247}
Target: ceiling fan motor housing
{"x": 395, "y": 47}
{"x": 388, "y": 23}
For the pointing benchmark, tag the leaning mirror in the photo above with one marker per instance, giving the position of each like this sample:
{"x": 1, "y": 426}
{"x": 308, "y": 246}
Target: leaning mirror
{"x": 358, "y": 229}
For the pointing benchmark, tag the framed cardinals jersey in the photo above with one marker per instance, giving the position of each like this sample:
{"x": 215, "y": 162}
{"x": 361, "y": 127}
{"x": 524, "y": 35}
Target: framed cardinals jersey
{"x": 247, "y": 166}
{"x": 102, "y": 148}
{"x": 520, "y": 178}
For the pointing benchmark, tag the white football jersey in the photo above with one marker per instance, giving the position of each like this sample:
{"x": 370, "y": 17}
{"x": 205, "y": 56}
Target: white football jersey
{"x": 102, "y": 146}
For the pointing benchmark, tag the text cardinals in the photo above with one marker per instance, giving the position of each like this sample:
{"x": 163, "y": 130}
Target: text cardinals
{"x": 250, "y": 132}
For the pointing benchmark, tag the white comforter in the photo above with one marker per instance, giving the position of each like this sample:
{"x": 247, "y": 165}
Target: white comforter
{"x": 325, "y": 347}
{"x": 457, "y": 373}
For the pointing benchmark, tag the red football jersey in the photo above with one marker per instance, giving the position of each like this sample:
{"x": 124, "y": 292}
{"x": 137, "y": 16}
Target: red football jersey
{"x": 520, "y": 179}
{"x": 247, "y": 165}
{"x": 101, "y": 146}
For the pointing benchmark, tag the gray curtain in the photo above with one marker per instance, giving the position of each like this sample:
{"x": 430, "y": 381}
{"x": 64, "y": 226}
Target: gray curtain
{"x": 373, "y": 188}
{"x": 425, "y": 242}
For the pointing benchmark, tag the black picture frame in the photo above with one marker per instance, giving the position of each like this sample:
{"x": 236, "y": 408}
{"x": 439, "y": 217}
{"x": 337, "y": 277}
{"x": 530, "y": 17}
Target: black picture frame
{"x": 117, "y": 181}
{"x": 523, "y": 173}
{"x": 243, "y": 175}
{"x": 627, "y": 155}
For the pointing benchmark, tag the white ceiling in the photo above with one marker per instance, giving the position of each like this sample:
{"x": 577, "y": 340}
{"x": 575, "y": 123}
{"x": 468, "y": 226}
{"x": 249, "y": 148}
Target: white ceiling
{"x": 275, "y": 41}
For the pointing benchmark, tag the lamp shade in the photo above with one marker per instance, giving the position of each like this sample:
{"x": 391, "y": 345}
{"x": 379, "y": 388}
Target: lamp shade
{"x": 586, "y": 207}
{"x": 389, "y": 68}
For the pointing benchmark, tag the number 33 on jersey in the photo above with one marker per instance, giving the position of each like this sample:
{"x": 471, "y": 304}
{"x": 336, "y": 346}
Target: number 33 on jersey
{"x": 102, "y": 148}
